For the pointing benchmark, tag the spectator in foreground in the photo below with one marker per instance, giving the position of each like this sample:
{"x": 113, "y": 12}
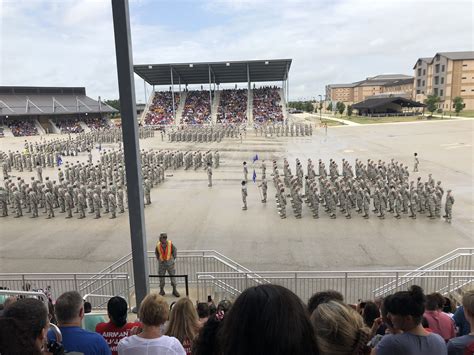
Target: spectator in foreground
{"x": 153, "y": 313}
{"x": 464, "y": 344}
{"x": 323, "y": 297}
{"x": 118, "y": 327}
{"x": 23, "y": 327}
{"x": 404, "y": 313}
{"x": 340, "y": 329}
{"x": 462, "y": 324}
{"x": 206, "y": 341}
{"x": 439, "y": 322}
{"x": 203, "y": 312}
{"x": 267, "y": 319}
{"x": 370, "y": 313}
{"x": 69, "y": 310}
{"x": 184, "y": 323}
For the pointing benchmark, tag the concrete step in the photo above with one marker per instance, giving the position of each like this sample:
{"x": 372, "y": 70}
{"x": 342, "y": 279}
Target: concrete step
{"x": 84, "y": 126}
{"x": 179, "y": 111}
{"x": 40, "y": 128}
{"x": 54, "y": 128}
{"x": 215, "y": 104}
{"x": 7, "y": 132}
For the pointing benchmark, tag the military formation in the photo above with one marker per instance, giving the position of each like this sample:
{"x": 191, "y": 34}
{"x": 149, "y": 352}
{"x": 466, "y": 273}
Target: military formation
{"x": 90, "y": 188}
{"x": 202, "y": 133}
{"x": 367, "y": 189}
{"x": 284, "y": 130}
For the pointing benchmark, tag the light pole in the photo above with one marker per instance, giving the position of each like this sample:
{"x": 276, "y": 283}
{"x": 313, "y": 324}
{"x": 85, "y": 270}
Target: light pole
{"x": 320, "y": 106}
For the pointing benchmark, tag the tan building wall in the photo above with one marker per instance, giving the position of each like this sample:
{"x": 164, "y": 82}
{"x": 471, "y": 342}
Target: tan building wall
{"x": 342, "y": 94}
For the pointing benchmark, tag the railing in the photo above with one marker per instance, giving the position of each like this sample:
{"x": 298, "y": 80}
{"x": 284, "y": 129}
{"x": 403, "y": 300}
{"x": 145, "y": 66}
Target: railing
{"x": 34, "y": 294}
{"x": 458, "y": 259}
{"x": 58, "y": 283}
{"x": 354, "y": 285}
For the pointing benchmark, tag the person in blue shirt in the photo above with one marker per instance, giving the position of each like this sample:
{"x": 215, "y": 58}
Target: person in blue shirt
{"x": 461, "y": 322}
{"x": 69, "y": 309}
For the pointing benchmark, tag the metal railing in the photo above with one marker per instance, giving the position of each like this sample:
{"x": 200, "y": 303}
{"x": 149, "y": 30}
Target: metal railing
{"x": 34, "y": 294}
{"x": 58, "y": 283}
{"x": 354, "y": 285}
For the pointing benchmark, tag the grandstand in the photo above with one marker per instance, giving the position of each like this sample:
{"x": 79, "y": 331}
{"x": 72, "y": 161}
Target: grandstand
{"x": 27, "y": 111}
{"x": 258, "y": 103}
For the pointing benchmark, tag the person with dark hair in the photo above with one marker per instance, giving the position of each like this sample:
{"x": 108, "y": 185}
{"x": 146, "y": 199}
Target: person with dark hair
{"x": 267, "y": 319}
{"x": 464, "y": 344}
{"x": 69, "y": 310}
{"x": 23, "y": 327}
{"x": 224, "y": 306}
{"x": 206, "y": 342}
{"x": 118, "y": 327}
{"x": 87, "y": 307}
{"x": 404, "y": 313}
{"x": 439, "y": 322}
{"x": 370, "y": 313}
{"x": 203, "y": 312}
{"x": 323, "y": 297}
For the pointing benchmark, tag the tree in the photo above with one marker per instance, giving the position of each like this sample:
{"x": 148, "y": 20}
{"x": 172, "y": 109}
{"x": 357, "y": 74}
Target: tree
{"x": 349, "y": 110}
{"x": 114, "y": 103}
{"x": 320, "y": 106}
{"x": 432, "y": 103}
{"x": 458, "y": 104}
{"x": 329, "y": 108}
{"x": 340, "y": 107}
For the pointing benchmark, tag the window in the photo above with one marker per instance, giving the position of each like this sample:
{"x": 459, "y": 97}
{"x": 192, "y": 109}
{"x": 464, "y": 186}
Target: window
{"x": 435, "y": 92}
{"x": 418, "y": 82}
{"x": 441, "y": 92}
{"x": 424, "y": 71}
{"x": 464, "y": 65}
{"x": 436, "y": 80}
{"x": 463, "y": 78}
{"x": 417, "y": 92}
{"x": 442, "y": 68}
{"x": 463, "y": 90}
{"x": 423, "y": 92}
{"x": 437, "y": 68}
{"x": 423, "y": 83}
{"x": 442, "y": 80}
{"x": 419, "y": 71}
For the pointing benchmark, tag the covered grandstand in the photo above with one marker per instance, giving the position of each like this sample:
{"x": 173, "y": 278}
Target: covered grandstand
{"x": 178, "y": 104}
{"x": 26, "y": 111}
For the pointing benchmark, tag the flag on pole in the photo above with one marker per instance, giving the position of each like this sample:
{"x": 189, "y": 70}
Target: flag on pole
{"x": 255, "y": 158}
{"x": 60, "y": 160}
{"x": 254, "y": 176}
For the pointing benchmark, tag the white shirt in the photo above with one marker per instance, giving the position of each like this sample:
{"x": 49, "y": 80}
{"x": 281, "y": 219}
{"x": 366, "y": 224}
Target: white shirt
{"x": 164, "y": 345}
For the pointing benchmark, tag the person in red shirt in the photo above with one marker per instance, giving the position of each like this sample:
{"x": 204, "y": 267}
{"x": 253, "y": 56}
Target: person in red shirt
{"x": 118, "y": 327}
{"x": 439, "y": 322}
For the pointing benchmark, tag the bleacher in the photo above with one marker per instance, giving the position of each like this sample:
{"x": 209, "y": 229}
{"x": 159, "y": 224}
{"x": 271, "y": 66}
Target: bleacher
{"x": 69, "y": 125}
{"x": 161, "y": 109}
{"x": 22, "y": 127}
{"x": 96, "y": 122}
{"x": 197, "y": 108}
{"x": 266, "y": 105}
{"x": 232, "y": 106}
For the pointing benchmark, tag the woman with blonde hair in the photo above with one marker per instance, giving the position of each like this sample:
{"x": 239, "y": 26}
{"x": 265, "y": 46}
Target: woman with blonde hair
{"x": 340, "y": 330}
{"x": 184, "y": 323}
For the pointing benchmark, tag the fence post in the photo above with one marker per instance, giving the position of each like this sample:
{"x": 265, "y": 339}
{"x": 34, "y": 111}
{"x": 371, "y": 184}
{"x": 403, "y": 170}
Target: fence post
{"x": 396, "y": 281}
{"x": 197, "y": 287}
{"x": 113, "y": 286}
{"x": 246, "y": 281}
{"x": 23, "y": 281}
{"x": 449, "y": 280}
{"x": 128, "y": 292}
{"x": 296, "y": 283}
{"x": 76, "y": 288}
{"x": 345, "y": 285}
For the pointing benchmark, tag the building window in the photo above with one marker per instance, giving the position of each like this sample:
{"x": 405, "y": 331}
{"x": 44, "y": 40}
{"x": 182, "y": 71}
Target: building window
{"x": 423, "y": 92}
{"x": 419, "y": 71}
{"x": 463, "y": 78}
{"x": 464, "y": 65}
{"x": 424, "y": 71}
{"x": 463, "y": 90}
{"x": 437, "y": 68}
{"x": 442, "y": 80}
{"x": 435, "y": 91}
{"x": 418, "y": 82}
{"x": 436, "y": 80}
{"x": 442, "y": 68}
{"x": 423, "y": 83}
{"x": 441, "y": 92}
{"x": 417, "y": 92}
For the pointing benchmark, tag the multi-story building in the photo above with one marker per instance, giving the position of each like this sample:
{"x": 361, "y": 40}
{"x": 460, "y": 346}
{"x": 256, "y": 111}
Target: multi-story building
{"x": 378, "y": 86}
{"x": 447, "y": 75}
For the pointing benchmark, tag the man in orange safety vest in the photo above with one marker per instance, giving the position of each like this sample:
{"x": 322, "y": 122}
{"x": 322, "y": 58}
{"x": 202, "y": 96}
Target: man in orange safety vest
{"x": 165, "y": 252}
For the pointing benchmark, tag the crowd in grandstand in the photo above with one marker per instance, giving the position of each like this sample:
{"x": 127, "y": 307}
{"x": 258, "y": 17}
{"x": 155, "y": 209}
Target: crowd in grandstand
{"x": 69, "y": 125}
{"x": 96, "y": 122}
{"x": 161, "y": 108}
{"x": 233, "y": 106}
{"x": 197, "y": 108}
{"x": 266, "y": 104}
{"x": 265, "y": 319}
{"x": 22, "y": 127}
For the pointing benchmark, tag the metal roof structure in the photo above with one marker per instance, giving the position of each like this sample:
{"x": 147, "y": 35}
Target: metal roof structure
{"x": 29, "y": 100}
{"x": 216, "y": 72}
{"x": 466, "y": 55}
{"x": 372, "y": 103}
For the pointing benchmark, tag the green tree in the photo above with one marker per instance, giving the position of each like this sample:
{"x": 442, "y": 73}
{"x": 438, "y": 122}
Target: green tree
{"x": 320, "y": 106}
{"x": 114, "y": 103}
{"x": 329, "y": 108}
{"x": 340, "y": 107}
{"x": 432, "y": 103}
{"x": 308, "y": 106}
{"x": 349, "y": 110}
{"x": 458, "y": 104}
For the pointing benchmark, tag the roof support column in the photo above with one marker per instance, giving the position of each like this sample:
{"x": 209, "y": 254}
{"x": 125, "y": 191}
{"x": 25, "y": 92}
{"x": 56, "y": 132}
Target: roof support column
{"x": 144, "y": 90}
{"x": 123, "y": 51}
{"x": 210, "y": 92}
{"x": 248, "y": 94}
{"x": 172, "y": 94}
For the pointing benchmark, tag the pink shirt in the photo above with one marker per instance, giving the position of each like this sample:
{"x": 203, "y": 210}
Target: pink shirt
{"x": 440, "y": 323}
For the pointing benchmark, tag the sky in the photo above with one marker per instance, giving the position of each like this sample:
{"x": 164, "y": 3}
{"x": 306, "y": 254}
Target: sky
{"x": 71, "y": 42}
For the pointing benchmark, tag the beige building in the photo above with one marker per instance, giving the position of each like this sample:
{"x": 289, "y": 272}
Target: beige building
{"x": 377, "y": 86}
{"x": 447, "y": 75}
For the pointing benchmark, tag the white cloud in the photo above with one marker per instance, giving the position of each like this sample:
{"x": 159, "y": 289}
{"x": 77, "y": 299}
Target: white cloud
{"x": 72, "y": 43}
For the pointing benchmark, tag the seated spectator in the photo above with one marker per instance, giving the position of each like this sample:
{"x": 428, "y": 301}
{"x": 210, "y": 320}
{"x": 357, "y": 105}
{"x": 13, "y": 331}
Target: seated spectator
{"x": 197, "y": 108}
{"x": 404, "y": 313}
{"x": 69, "y": 125}
{"x": 323, "y": 297}
{"x": 184, "y": 323}
{"x": 370, "y": 313}
{"x": 96, "y": 123}
{"x": 224, "y": 306}
{"x": 153, "y": 313}
{"x": 232, "y": 106}
{"x": 8, "y": 301}
{"x": 118, "y": 327}
{"x": 267, "y": 319}
{"x": 465, "y": 343}
{"x": 203, "y": 312}
{"x": 462, "y": 324}
{"x": 266, "y": 105}
{"x": 206, "y": 341}
{"x": 23, "y": 327}
{"x": 439, "y": 322}
{"x": 340, "y": 329}
{"x": 69, "y": 310}
{"x": 449, "y": 307}
{"x": 160, "y": 111}
{"x": 22, "y": 127}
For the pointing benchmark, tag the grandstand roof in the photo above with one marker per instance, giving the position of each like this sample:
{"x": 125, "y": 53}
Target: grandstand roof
{"x": 221, "y": 72}
{"x": 372, "y": 103}
{"x": 29, "y": 100}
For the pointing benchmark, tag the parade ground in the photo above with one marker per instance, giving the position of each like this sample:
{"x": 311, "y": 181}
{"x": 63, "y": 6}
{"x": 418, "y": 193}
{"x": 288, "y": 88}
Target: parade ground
{"x": 197, "y": 217}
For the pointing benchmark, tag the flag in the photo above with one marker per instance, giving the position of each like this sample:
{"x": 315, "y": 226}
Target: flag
{"x": 60, "y": 160}
{"x": 255, "y": 158}
{"x": 254, "y": 176}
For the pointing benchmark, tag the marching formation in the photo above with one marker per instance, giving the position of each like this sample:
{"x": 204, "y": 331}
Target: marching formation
{"x": 284, "y": 130}
{"x": 201, "y": 133}
{"x": 99, "y": 188}
{"x": 374, "y": 187}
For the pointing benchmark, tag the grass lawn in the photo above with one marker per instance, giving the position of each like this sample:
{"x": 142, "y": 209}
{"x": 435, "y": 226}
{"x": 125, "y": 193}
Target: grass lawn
{"x": 463, "y": 114}
{"x": 331, "y": 122}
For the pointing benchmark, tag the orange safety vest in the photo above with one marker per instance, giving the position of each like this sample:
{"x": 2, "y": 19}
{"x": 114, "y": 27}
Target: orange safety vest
{"x": 164, "y": 255}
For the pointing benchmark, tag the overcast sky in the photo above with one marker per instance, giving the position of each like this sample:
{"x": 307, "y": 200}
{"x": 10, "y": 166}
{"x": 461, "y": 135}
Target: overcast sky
{"x": 71, "y": 43}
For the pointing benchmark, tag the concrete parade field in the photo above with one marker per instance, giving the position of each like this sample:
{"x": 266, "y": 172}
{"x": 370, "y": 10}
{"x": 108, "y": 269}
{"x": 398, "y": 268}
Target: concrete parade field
{"x": 198, "y": 217}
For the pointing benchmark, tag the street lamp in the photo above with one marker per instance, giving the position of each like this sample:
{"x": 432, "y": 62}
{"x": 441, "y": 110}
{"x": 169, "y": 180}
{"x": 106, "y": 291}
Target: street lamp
{"x": 320, "y": 106}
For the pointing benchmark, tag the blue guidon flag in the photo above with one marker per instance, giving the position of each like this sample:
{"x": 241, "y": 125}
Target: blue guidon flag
{"x": 60, "y": 160}
{"x": 255, "y": 158}
{"x": 254, "y": 176}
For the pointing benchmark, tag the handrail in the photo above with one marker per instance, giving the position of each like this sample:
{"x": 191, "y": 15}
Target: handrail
{"x": 27, "y": 293}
